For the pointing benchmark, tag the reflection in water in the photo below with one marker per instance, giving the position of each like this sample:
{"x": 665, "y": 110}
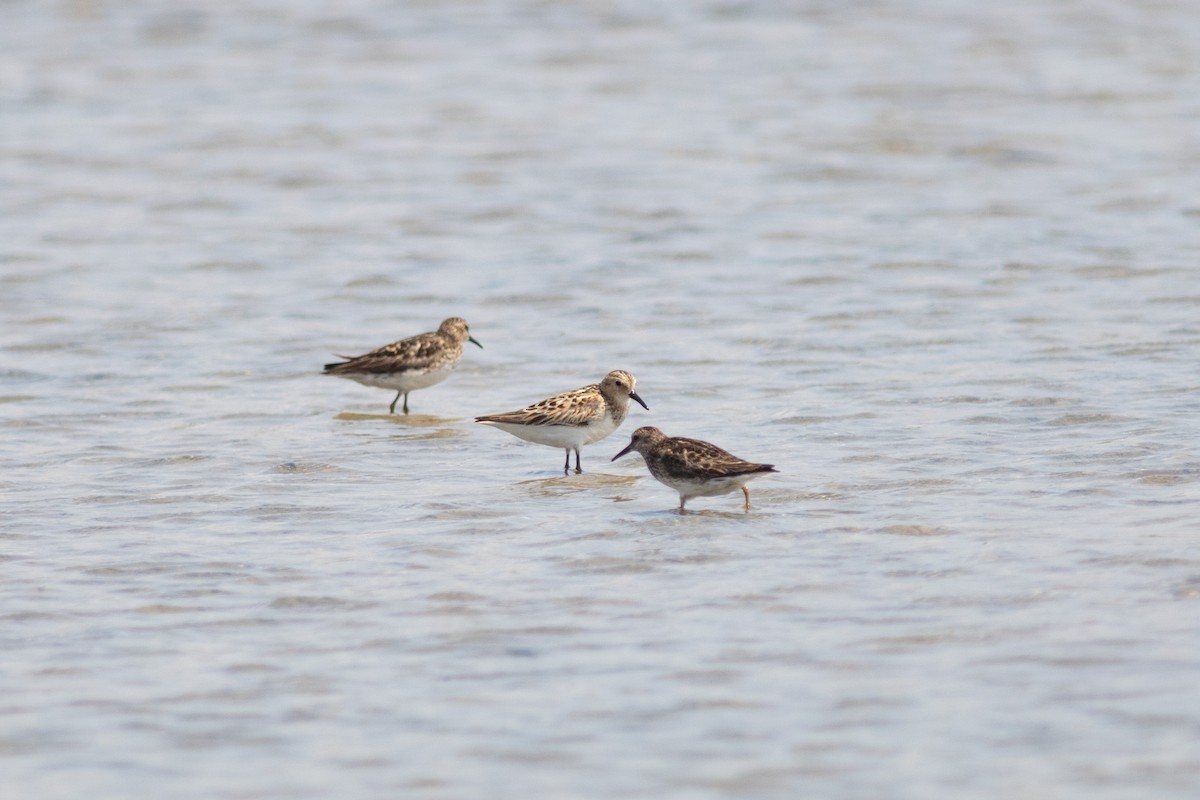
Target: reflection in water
{"x": 591, "y": 482}
{"x": 404, "y": 420}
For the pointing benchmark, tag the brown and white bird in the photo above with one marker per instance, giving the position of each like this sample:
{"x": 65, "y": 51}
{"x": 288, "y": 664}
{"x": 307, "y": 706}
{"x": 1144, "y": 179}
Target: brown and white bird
{"x": 417, "y": 362}
{"x": 572, "y": 419}
{"x": 692, "y": 467}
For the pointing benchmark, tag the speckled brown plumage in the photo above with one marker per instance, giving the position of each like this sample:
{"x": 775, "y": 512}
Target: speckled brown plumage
{"x": 692, "y": 467}
{"x": 572, "y": 419}
{"x": 414, "y": 363}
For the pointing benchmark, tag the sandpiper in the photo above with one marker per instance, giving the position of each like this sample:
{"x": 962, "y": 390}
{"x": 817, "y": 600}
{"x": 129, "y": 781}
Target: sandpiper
{"x": 572, "y": 419}
{"x": 692, "y": 467}
{"x": 417, "y": 362}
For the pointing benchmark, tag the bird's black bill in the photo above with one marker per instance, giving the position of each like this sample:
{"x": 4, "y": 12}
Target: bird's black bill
{"x": 641, "y": 402}
{"x": 623, "y": 452}
{"x": 471, "y": 339}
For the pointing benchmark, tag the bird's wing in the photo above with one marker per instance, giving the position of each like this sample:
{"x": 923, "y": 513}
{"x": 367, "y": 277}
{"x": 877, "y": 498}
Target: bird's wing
{"x": 416, "y": 352}
{"x": 691, "y": 455}
{"x": 578, "y": 407}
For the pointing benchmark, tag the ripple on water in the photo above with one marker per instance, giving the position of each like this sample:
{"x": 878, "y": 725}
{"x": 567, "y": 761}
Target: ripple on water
{"x": 319, "y": 603}
{"x": 937, "y": 260}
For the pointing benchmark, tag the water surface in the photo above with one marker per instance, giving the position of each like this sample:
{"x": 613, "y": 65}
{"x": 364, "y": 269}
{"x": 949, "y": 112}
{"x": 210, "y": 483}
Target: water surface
{"x": 935, "y": 261}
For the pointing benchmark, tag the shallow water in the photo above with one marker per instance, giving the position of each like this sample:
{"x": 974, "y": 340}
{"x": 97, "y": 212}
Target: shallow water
{"x": 935, "y": 261}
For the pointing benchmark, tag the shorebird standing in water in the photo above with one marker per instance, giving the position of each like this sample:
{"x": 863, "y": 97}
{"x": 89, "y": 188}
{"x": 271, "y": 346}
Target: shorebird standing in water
{"x": 692, "y": 467}
{"x": 572, "y": 419}
{"x": 417, "y": 362}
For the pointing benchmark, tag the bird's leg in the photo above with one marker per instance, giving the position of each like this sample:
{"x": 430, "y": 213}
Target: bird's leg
{"x": 578, "y": 469}
{"x": 392, "y": 407}
{"x": 567, "y": 464}
{"x": 406, "y": 402}
{"x": 746, "y": 492}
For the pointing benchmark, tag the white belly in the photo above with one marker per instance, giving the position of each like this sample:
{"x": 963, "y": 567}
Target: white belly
{"x": 601, "y": 428}
{"x": 401, "y": 381}
{"x": 697, "y": 488}
{"x": 568, "y": 437}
